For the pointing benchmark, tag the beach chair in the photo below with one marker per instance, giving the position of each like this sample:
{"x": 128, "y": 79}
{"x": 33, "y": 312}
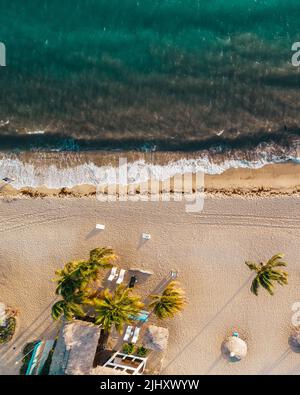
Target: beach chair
{"x": 135, "y": 335}
{"x": 100, "y": 227}
{"x": 121, "y": 276}
{"x": 127, "y": 334}
{"x": 113, "y": 274}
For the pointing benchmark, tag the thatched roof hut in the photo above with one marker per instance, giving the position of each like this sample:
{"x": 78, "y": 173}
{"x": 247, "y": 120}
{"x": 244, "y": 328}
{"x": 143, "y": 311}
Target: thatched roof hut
{"x": 76, "y": 348}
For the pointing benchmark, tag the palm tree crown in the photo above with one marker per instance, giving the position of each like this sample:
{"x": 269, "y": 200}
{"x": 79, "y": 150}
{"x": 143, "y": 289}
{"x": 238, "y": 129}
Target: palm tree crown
{"x": 66, "y": 309}
{"x": 74, "y": 279}
{"x": 170, "y": 302}
{"x": 116, "y": 309}
{"x": 268, "y": 273}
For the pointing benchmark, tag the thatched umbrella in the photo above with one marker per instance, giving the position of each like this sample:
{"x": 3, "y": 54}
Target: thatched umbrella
{"x": 156, "y": 338}
{"x": 295, "y": 339}
{"x": 235, "y": 348}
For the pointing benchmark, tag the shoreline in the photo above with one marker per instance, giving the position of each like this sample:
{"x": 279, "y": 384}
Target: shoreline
{"x": 273, "y": 179}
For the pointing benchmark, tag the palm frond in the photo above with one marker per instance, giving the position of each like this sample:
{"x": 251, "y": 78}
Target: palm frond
{"x": 170, "y": 302}
{"x": 267, "y": 274}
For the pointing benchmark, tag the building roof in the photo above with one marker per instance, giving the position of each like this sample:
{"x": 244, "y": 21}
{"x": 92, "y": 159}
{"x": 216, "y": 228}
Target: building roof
{"x": 76, "y": 348}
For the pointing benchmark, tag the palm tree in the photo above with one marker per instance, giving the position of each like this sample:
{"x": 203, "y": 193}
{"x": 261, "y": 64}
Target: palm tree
{"x": 267, "y": 273}
{"x": 74, "y": 280}
{"x": 115, "y": 310}
{"x": 170, "y": 302}
{"x": 100, "y": 258}
{"x": 67, "y": 310}
{"x": 71, "y": 279}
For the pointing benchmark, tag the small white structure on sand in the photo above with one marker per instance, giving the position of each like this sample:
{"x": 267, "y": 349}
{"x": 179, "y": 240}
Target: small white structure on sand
{"x": 146, "y": 236}
{"x": 2, "y": 314}
{"x": 100, "y": 227}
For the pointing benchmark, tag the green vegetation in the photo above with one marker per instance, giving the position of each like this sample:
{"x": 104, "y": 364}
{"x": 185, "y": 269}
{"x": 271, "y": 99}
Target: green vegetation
{"x": 142, "y": 352}
{"x": 128, "y": 348}
{"x": 268, "y": 273}
{"x": 7, "y": 332}
{"x": 67, "y": 309}
{"x": 116, "y": 309}
{"x": 170, "y": 302}
{"x": 75, "y": 283}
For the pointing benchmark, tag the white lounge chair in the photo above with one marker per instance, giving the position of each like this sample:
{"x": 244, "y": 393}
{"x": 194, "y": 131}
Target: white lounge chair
{"x": 121, "y": 276}
{"x": 113, "y": 274}
{"x": 135, "y": 335}
{"x": 100, "y": 227}
{"x": 127, "y": 334}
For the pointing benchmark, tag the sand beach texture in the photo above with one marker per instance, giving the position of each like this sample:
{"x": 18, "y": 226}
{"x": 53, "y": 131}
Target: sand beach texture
{"x": 207, "y": 248}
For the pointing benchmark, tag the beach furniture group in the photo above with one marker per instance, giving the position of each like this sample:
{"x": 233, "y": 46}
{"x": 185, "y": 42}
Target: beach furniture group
{"x": 115, "y": 276}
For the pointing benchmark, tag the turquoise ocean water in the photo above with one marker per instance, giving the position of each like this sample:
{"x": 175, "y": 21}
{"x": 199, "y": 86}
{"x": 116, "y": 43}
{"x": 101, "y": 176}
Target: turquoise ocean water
{"x": 170, "y": 73}
{"x": 149, "y": 75}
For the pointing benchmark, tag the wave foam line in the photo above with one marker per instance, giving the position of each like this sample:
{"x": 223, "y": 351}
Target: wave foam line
{"x": 50, "y": 176}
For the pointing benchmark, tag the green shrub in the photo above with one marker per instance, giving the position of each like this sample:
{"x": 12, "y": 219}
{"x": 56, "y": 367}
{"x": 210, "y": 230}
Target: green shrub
{"x": 128, "y": 348}
{"x": 142, "y": 352}
{"x": 7, "y": 332}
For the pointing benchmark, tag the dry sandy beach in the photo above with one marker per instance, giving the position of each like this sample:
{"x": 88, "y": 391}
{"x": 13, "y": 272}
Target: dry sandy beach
{"x": 208, "y": 249}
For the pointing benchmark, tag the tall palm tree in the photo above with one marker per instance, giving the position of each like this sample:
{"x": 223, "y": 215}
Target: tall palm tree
{"x": 115, "y": 310}
{"x": 268, "y": 273}
{"x": 170, "y": 302}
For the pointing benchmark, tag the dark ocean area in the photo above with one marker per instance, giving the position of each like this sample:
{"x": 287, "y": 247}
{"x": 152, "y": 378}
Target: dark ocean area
{"x": 148, "y": 74}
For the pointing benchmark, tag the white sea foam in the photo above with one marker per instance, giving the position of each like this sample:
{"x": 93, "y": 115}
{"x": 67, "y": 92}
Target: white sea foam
{"x": 37, "y": 175}
{"x": 36, "y": 132}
